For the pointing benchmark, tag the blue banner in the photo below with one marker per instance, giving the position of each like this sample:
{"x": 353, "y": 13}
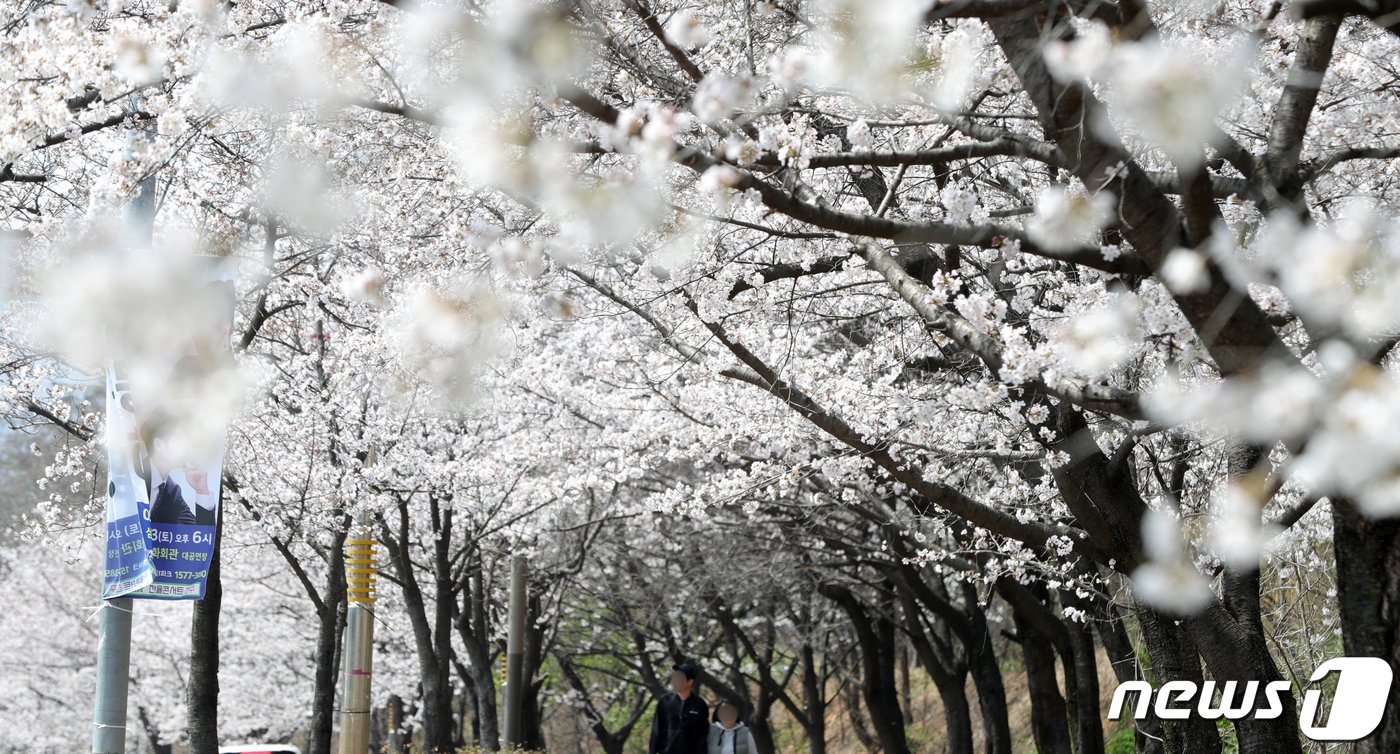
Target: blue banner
{"x": 164, "y": 461}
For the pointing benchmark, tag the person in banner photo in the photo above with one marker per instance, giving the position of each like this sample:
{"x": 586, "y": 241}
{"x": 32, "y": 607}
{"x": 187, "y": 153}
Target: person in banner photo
{"x": 179, "y": 488}
{"x": 180, "y": 491}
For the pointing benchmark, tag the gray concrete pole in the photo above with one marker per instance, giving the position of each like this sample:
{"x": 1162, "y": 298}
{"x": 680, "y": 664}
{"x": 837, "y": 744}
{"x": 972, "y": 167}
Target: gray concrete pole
{"x": 113, "y": 670}
{"x": 359, "y": 640}
{"x": 515, "y": 653}
{"x": 114, "y": 620}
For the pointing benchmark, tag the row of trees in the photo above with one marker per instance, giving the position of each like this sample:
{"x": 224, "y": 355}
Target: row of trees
{"x": 798, "y": 338}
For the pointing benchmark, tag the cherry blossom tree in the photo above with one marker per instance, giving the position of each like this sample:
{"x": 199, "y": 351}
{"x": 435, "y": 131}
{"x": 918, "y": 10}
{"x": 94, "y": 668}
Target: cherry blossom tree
{"x": 939, "y": 323}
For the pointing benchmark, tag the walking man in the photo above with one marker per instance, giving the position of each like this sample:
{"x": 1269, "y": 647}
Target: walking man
{"x": 681, "y": 725}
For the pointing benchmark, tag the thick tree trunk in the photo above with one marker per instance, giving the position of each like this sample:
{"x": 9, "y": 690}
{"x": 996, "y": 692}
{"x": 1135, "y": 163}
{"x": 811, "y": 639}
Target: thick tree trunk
{"x": 763, "y": 735}
{"x": 438, "y": 717}
{"x": 1123, "y": 658}
{"x": 1174, "y": 658}
{"x": 957, "y": 712}
{"x": 875, "y": 634}
{"x": 331, "y": 620}
{"x": 532, "y": 717}
{"x": 1044, "y": 637}
{"x": 488, "y": 733}
{"x": 473, "y": 630}
{"x": 1049, "y": 717}
{"x": 202, "y": 692}
{"x": 1368, "y": 593}
{"x": 1088, "y": 725}
{"x": 471, "y": 707}
{"x": 437, "y": 710}
{"x": 814, "y": 702}
{"x": 948, "y": 678}
{"x": 991, "y": 693}
{"x": 1232, "y": 641}
{"x": 466, "y": 709}
{"x": 1246, "y": 660}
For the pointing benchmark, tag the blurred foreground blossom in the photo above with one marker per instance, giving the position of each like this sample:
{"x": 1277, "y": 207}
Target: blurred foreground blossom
{"x": 161, "y": 320}
{"x": 1184, "y": 272}
{"x": 1065, "y": 219}
{"x": 867, "y": 47}
{"x": 1344, "y": 275}
{"x": 1172, "y": 96}
{"x": 446, "y": 334}
{"x": 1097, "y": 341}
{"x": 1084, "y": 56}
{"x": 1169, "y": 581}
{"x": 1355, "y": 449}
{"x": 1238, "y": 536}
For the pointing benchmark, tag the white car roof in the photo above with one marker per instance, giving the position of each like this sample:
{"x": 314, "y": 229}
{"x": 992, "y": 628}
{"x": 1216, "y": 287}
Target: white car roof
{"x": 259, "y": 747}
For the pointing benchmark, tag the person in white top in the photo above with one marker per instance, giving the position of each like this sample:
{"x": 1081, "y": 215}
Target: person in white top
{"x": 729, "y": 735}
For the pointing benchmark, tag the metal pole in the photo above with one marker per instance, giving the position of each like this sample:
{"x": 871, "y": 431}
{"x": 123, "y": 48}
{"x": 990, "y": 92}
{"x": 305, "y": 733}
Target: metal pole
{"x": 359, "y": 639}
{"x": 113, "y": 670}
{"x": 114, "y": 619}
{"x": 515, "y": 653}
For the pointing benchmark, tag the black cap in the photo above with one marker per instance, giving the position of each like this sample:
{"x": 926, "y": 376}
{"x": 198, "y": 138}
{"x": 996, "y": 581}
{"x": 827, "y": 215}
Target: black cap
{"x": 687, "y": 668}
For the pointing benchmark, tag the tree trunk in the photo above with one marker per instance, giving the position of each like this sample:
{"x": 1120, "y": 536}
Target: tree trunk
{"x": 202, "y": 693}
{"x": 957, "y": 712}
{"x": 875, "y": 635}
{"x": 331, "y": 620}
{"x": 814, "y": 702}
{"x": 948, "y": 678}
{"x": 532, "y": 714}
{"x": 969, "y": 623}
{"x": 1174, "y": 658}
{"x": 445, "y": 729}
{"x": 473, "y": 630}
{"x": 1088, "y": 725}
{"x": 434, "y": 669}
{"x": 437, "y": 713}
{"x": 1049, "y": 717}
{"x": 1368, "y": 594}
{"x": 488, "y": 732}
{"x": 763, "y": 736}
{"x": 1123, "y": 658}
{"x": 859, "y": 726}
{"x": 1232, "y": 641}
{"x": 437, "y": 704}
{"x": 532, "y": 718}
{"x": 986, "y": 678}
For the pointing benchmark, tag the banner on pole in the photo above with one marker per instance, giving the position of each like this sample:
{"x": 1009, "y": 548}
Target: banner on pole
{"x": 165, "y": 446}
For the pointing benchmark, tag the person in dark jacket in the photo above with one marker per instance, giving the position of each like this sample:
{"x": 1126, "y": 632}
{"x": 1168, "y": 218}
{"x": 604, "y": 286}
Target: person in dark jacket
{"x": 682, "y": 721}
{"x": 171, "y": 479}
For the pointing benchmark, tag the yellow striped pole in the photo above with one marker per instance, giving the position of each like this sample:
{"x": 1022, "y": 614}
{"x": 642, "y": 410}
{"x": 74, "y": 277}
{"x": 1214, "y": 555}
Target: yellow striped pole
{"x": 359, "y": 639}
